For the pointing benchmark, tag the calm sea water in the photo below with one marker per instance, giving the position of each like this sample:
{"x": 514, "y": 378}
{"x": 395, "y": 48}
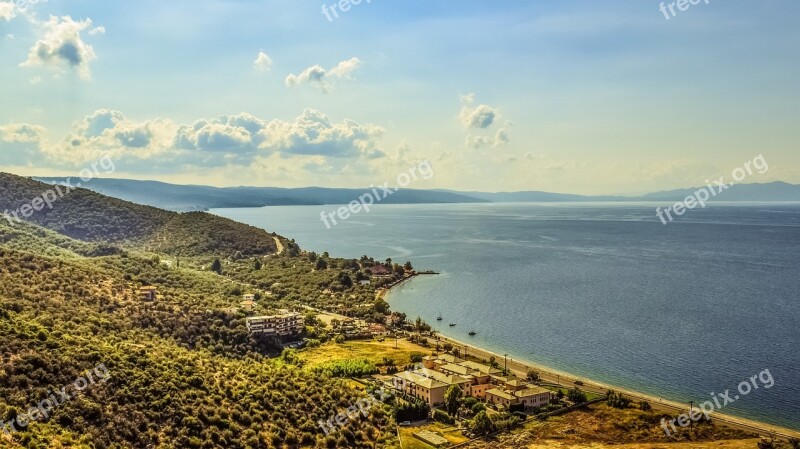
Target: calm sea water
{"x": 604, "y": 291}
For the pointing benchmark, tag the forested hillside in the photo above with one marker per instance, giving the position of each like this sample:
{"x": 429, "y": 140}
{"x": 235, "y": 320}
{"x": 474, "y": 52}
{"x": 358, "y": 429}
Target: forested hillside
{"x": 184, "y": 372}
{"x": 89, "y": 216}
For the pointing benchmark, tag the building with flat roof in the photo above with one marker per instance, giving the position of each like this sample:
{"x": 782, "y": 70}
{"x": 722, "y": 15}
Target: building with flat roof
{"x": 287, "y": 324}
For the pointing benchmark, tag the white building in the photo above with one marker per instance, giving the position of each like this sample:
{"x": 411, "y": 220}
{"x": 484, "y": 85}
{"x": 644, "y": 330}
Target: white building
{"x": 284, "y": 325}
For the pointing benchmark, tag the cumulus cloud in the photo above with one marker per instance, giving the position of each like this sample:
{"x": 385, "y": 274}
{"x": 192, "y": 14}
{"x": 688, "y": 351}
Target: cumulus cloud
{"x": 480, "y": 116}
{"x": 61, "y": 44}
{"x": 322, "y": 79}
{"x": 263, "y": 62}
{"x": 238, "y": 135}
{"x": 228, "y": 140}
{"x": 21, "y": 133}
{"x": 21, "y": 144}
{"x": 312, "y": 133}
{"x": 499, "y": 139}
{"x": 7, "y": 10}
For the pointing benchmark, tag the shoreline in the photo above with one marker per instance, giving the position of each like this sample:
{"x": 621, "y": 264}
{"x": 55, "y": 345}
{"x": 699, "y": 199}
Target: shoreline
{"x": 547, "y": 374}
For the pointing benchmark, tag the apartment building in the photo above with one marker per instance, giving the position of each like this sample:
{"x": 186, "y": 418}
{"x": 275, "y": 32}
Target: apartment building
{"x": 285, "y": 324}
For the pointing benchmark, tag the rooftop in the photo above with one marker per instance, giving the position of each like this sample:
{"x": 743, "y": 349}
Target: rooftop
{"x": 485, "y": 369}
{"x": 531, "y": 391}
{"x": 458, "y": 369}
{"x": 501, "y": 394}
{"x": 420, "y": 380}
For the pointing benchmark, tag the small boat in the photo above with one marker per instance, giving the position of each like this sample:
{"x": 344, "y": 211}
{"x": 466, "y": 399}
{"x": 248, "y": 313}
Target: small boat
{"x": 439, "y": 318}
{"x": 472, "y": 332}
{"x": 452, "y": 324}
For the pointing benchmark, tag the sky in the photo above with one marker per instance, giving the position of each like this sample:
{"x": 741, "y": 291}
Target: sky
{"x": 585, "y": 97}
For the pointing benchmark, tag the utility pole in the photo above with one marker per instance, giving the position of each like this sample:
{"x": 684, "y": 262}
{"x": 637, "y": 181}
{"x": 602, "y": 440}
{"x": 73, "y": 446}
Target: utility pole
{"x": 505, "y": 363}
{"x": 691, "y": 409}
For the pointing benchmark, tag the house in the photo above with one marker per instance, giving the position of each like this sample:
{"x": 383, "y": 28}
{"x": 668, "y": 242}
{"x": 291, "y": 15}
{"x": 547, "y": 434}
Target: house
{"x": 286, "y": 324}
{"x": 247, "y": 305}
{"x": 380, "y": 271}
{"x": 364, "y": 282}
{"x": 501, "y": 398}
{"x": 533, "y": 397}
{"x": 418, "y": 386}
{"x": 249, "y": 297}
{"x": 148, "y": 293}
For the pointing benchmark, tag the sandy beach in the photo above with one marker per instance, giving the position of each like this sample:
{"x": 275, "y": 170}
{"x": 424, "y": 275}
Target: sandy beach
{"x": 553, "y": 376}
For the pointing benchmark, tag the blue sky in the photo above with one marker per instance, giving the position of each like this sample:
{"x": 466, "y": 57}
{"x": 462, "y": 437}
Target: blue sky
{"x": 569, "y": 96}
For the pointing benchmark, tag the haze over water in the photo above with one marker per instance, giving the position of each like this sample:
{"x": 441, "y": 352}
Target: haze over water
{"x": 603, "y": 291}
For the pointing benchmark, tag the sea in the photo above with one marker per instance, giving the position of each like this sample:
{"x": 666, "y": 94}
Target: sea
{"x": 685, "y": 311}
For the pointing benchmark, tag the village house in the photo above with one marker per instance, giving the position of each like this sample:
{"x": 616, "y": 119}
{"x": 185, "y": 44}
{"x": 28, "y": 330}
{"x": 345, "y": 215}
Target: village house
{"x": 380, "y": 272}
{"x": 247, "y": 305}
{"x": 418, "y": 386}
{"x": 148, "y": 293}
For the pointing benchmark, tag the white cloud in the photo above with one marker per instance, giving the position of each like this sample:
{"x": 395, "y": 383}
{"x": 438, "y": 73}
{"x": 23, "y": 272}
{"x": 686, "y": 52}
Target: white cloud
{"x": 481, "y": 116}
{"x": 7, "y": 10}
{"x": 98, "y": 30}
{"x": 21, "y": 133}
{"x": 21, "y": 144}
{"x": 61, "y": 44}
{"x": 263, "y": 62}
{"x": 312, "y": 133}
{"x": 322, "y": 79}
{"x": 235, "y": 140}
{"x": 500, "y": 139}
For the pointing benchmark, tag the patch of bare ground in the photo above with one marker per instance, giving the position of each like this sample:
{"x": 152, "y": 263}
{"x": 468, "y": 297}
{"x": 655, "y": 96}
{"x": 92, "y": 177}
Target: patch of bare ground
{"x": 601, "y": 426}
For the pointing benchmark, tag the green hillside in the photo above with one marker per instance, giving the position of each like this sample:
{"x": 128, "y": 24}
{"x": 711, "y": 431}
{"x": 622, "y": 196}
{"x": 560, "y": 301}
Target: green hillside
{"x": 184, "y": 372}
{"x": 89, "y": 216}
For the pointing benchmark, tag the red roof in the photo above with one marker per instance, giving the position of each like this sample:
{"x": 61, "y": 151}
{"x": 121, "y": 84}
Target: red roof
{"x": 379, "y": 270}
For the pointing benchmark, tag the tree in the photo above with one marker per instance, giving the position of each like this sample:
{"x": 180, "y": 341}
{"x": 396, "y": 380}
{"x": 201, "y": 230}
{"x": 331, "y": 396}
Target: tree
{"x": 452, "y": 399}
{"x": 617, "y": 400}
{"x": 408, "y": 266}
{"x": 345, "y": 279}
{"x": 381, "y": 306}
{"x": 533, "y": 376}
{"x": 576, "y": 395}
{"x": 481, "y": 424}
{"x": 321, "y": 265}
{"x": 493, "y": 362}
{"x": 257, "y": 265}
{"x": 645, "y": 406}
{"x": 216, "y": 266}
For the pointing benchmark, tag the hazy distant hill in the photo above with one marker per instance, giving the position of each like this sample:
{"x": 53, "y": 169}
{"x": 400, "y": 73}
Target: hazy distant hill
{"x": 774, "y": 191}
{"x": 194, "y": 197}
{"x": 539, "y": 197}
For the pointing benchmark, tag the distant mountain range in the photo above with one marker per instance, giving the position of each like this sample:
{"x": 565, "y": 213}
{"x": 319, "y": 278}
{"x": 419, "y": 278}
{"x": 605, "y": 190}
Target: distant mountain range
{"x": 195, "y": 197}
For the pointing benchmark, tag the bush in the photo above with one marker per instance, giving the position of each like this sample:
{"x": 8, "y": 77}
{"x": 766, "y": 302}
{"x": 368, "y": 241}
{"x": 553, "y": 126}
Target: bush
{"x": 576, "y": 395}
{"x": 346, "y": 368}
{"x": 443, "y": 417}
